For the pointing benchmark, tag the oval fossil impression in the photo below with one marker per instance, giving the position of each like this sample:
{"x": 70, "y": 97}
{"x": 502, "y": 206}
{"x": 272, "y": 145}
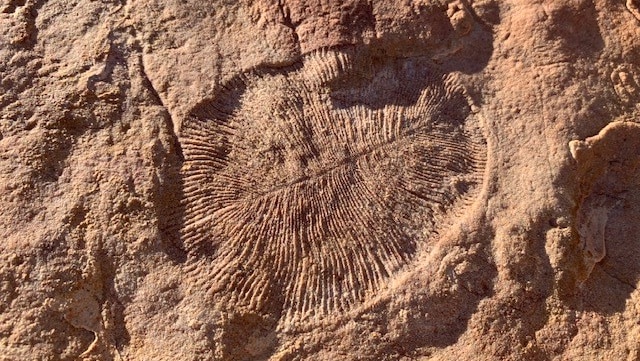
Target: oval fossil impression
{"x": 310, "y": 186}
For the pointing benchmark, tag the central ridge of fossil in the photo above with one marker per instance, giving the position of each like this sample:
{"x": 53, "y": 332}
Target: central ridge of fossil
{"x": 314, "y": 184}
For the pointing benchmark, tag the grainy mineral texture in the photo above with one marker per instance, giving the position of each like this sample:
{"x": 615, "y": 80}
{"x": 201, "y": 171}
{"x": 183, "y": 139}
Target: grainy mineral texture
{"x": 319, "y": 180}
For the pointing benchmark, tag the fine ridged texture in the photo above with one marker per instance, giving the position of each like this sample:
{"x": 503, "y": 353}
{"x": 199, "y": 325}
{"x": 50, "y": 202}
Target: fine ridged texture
{"x": 312, "y": 192}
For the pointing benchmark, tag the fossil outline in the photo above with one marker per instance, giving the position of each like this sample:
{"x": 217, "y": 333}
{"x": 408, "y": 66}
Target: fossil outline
{"x": 314, "y": 198}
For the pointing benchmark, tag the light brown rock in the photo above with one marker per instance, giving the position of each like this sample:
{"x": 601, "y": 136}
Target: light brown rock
{"x": 321, "y": 180}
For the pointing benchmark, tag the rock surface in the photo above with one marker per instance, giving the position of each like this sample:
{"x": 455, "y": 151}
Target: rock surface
{"x": 319, "y": 180}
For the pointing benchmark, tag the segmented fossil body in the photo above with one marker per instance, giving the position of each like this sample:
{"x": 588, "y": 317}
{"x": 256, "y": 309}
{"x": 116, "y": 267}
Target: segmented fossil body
{"x": 316, "y": 183}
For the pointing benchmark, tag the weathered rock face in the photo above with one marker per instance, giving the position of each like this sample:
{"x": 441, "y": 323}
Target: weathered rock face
{"x": 289, "y": 180}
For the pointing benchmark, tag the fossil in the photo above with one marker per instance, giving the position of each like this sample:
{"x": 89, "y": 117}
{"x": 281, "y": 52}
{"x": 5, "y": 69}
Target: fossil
{"x": 316, "y": 183}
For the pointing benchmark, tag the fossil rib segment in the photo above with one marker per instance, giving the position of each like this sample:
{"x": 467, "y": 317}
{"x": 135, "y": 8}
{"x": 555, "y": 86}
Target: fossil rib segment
{"x": 316, "y": 183}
